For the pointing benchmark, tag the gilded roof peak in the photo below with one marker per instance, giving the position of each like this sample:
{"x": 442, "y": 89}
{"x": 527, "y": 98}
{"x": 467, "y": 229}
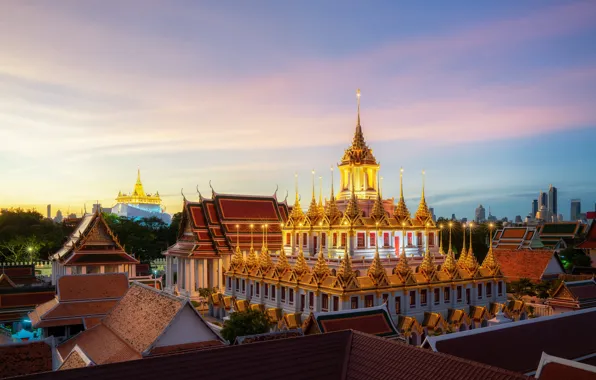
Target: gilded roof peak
{"x": 358, "y": 153}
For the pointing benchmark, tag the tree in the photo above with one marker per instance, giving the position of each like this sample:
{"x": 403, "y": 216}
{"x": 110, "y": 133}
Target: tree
{"x": 242, "y": 323}
{"x": 522, "y": 287}
{"x": 571, "y": 257}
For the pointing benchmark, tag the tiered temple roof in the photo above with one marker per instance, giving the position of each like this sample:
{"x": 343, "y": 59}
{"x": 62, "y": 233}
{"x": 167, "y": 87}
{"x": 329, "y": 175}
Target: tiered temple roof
{"x": 138, "y": 195}
{"x": 574, "y": 295}
{"x": 551, "y": 234}
{"x": 92, "y": 243}
{"x": 210, "y": 227}
{"x": 517, "y": 238}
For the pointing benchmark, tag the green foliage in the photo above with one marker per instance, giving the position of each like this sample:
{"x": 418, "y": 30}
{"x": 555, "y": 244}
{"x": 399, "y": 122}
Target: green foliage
{"x": 571, "y": 257}
{"x": 28, "y": 236}
{"x": 520, "y": 288}
{"x": 206, "y": 292}
{"x": 480, "y": 234}
{"x": 247, "y": 322}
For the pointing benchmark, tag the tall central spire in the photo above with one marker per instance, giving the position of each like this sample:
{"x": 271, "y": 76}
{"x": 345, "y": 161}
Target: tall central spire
{"x": 358, "y": 97}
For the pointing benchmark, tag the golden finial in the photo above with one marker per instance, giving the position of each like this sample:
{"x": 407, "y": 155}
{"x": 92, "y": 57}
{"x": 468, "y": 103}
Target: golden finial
{"x": 252, "y": 259}
{"x": 320, "y": 205}
{"x": 470, "y": 250}
{"x": 297, "y": 214}
{"x": 282, "y": 262}
{"x": 265, "y": 259}
{"x": 463, "y": 250}
{"x": 490, "y": 261}
{"x": 378, "y": 211}
{"x": 470, "y": 260}
{"x": 331, "y": 210}
{"x": 237, "y": 259}
{"x": 345, "y": 267}
{"x": 428, "y": 263}
{"x": 358, "y": 99}
{"x": 450, "y": 264}
{"x": 300, "y": 266}
{"x": 376, "y": 268}
{"x": 441, "y": 240}
{"x": 321, "y": 269}
{"x": 401, "y": 210}
{"x": 402, "y": 266}
{"x": 313, "y": 209}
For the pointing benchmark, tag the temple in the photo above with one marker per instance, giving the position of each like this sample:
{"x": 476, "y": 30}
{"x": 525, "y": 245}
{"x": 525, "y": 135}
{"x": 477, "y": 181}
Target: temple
{"x": 355, "y": 250}
{"x": 139, "y": 204}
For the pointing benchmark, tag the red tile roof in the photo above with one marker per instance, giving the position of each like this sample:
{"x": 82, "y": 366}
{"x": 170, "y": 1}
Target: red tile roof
{"x": 516, "y": 264}
{"x": 92, "y": 286}
{"x": 25, "y": 358}
{"x": 339, "y": 355}
{"x": 557, "y": 371}
{"x": 590, "y": 242}
{"x": 568, "y": 335}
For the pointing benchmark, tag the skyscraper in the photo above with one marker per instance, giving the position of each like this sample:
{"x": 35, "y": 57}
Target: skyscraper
{"x": 552, "y": 200}
{"x": 543, "y": 200}
{"x": 480, "y": 214}
{"x": 576, "y": 208}
{"x": 49, "y": 211}
{"x": 534, "y": 208}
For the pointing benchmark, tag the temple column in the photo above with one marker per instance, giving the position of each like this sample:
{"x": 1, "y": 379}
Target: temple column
{"x": 169, "y": 272}
{"x": 329, "y": 238}
{"x": 205, "y": 284}
{"x": 350, "y": 241}
{"x": 220, "y": 273}
{"x": 191, "y": 270}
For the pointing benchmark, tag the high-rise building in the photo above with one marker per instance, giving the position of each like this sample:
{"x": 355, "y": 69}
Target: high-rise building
{"x": 518, "y": 219}
{"x": 432, "y": 213}
{"x": 49, "y": 214}
{"x": 59, "y": 217}
{"x": 480, "y": 214}
{"x": 534, "y": 208}
{"x": 576, "y": 209}
{"x": 552, "y": 201}
{"x": 543, "y": 200}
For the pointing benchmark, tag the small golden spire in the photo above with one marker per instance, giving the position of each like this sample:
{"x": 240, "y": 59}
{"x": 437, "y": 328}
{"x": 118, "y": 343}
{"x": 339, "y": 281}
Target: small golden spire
{"x": 463, "y": 249}
{"x": 358, "y": 98}
{"x": 265, "y": 258}
{"x": 401, "y": 210}
{"x": 402, "y": 266}
{"x": 297, "y": 214}
{"x": 282, "y": 262}
{"x": 490, "y": 261}
{"x": 313, "y": 209}
{"x": 300, "y": 266}
{"x": 352, "y": 210}
{"x": 331, "y": 210}
{"x": 237, "y": 259}
{"x": 345, "y": 267}
{"x": 252, "y": 259}
{"x": 320, "y": 206}
{"x": 423, "y": 213}
{"x": 428, "y": 262}
{"x": 450, "y": 264}
{"x": 462, "y": 259}
{"x": 321, "y": 269}
{"x": 376, "y": 269}
{"x": 441, "y": 240}
{"x": 378, "y": 211}
{"x": 470, "y": 261}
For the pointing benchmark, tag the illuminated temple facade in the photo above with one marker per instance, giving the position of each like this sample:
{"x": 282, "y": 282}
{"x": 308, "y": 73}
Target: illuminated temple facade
{"x": 354, "y": 250}
{"x": 139, "y": 204}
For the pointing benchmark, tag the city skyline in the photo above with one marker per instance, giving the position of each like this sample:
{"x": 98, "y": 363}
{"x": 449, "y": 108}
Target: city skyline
{"x": 493, "y": 102}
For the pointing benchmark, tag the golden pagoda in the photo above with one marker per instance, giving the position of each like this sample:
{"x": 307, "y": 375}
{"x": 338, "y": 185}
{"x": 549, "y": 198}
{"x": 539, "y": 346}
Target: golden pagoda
{"x": 138, "y": 195}
{"x": 358, "y": 168}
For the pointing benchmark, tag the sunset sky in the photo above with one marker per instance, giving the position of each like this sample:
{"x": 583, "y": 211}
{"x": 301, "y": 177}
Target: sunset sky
{"x": 494, "y": 99}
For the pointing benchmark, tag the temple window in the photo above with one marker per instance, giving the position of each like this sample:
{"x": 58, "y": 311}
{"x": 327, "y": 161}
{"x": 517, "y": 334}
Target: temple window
{"x": 412, "y": 298}
{"x": 369, "y": 300}
{"x": 243, "y": 286}
{"x": 237, "y": 284}
{"x": 304, "y": 239}
{"x": 431, "y": 239}
{"x": 373, "y": 239}
{"x": 311, "y": 300}
{"x": 446, "y": 294}
{"x": 419, "y": 239}
{"x": 302, "y": 302}
{"x": 283, "y": 294}
{"x": 468, "y": 296}
{"x": 335, "y": 240}
{"x": 489, "y": 289}
{"x": 266, "y": 290}
{"x": 324, "y": 240}
{"x": 291, "y": 296}
{"x": 92, "y": 269}
{"x": 297, "y": 242}
{"x": 344, "y": 239}
{"x": 385, "y": 298}
{"x": 386, "y": 241}
{"x": 288, "y": 238}
{"x": 258, "y": 288}
{"x": 325, "y": 302}
{"x": 360, "y": 239}
{"x": 479, "y": 291}
{"x": 437, "y": 296}
{"x": 230, "y": 283}
{"x": 459, "y": 294}
{"x": 409, "y": 239}
{"x": 335, "y": 303}
{"x": 273, "y": 292}
{"x": 423, "y": 296}
{"x": 500, "y": 288}
{"x": 398, "y": 305}
{"x": 354, "y": 302}
{"x": 110, "y": 269}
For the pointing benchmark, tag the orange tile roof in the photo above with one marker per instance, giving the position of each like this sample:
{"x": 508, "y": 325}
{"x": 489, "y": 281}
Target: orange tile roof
{"x": 101, "y": 345}
{"x": 92, "y": 286}
{"x": 516, "y": 264}
{"x": 91, "y": 321}
{"x": 339, "y": 355}
{"x": 513, "y": 233}
{"x": 134, "y": 318}
{"x": 73, "y": 360}
{"x": 25, "y": 358}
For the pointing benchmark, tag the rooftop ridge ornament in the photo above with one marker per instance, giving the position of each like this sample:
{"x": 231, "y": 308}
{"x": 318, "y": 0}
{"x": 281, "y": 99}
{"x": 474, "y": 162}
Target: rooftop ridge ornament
{"x": 463, "y": 249}
{"x": 321, "y": 269}
{"x": 213, "y": 193}
{"x": 378, "y": 211}
{"x": 200, "y": 195}
{"x": 401, "y": 210}
{"x": 423, "y": 213}
{"x": 297, "y": 215}
{"x": 331, "y": 210}
{"x": 402, "y": 266}
{"x": 345, "y": 270}
{"x": 313, "y": 210}
{"x": 428, "y": 264}
{"x": 282, "y": 262}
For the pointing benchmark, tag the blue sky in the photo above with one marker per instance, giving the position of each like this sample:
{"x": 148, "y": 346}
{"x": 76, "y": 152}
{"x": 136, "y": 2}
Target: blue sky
{"x": 495, "y": 100}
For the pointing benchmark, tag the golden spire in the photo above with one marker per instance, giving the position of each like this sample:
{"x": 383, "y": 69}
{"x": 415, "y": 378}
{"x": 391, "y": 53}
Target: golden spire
{"x": 358, "y": 97}
{"x": 345, "y": 267}
{"x": 282, "y": 262}
{"x": 490, "y": 261}
{"x": 470, "y": 261}
{"x": 463, "y": 249}
{"x": 297, "y": 214}
{"x": 251, "y": 260}
{"x": 423, "y": 213}
{"x": 321, "y": 269}
{"x": 462, "y": 258}
{"x": 300, "y": 266}
{"x": 402, "y": 266}
{"x": 320, "y": 206}
{"x": 428, "y": 262}
{"x": 265, "y": 259}
{"x": 401, "y": 210}
{"x": 376, "y": 268}
{"x": 358, "y": 153}
{"x": 441, "y": 240}
{"x": 331, "y": 209}
{"x": 237, "y": 259}
{"x": 378, "y": 211}
{"x": 313, "y": 209}
{"x": 450, "y": 263}
{"x": 352, "y": 209}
